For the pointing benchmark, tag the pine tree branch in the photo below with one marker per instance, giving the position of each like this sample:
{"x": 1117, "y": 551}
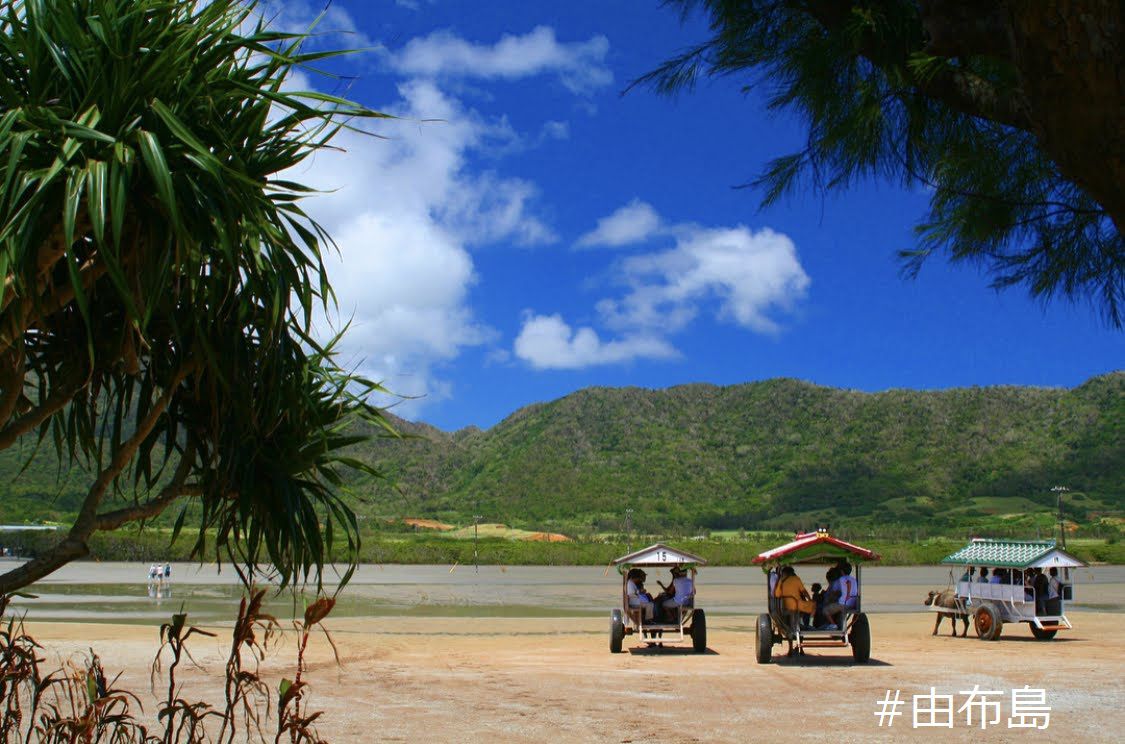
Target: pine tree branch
{"x": 957, "y": 88}
{"x": 964, "y": 28}
{"x": 973, "y": 95}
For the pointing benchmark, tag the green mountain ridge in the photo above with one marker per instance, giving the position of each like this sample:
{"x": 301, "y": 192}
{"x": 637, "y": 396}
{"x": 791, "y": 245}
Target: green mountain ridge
{"x": 776, "y": 454}
{"x": 766, "y": 455}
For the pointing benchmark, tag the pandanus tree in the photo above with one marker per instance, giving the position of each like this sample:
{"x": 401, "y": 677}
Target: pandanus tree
{"x": 161, "y": 278}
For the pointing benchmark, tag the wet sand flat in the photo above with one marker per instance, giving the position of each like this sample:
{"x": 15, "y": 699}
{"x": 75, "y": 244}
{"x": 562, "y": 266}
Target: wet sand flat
{"x": 120, "y": 593}
{"x": 534, "y": 679}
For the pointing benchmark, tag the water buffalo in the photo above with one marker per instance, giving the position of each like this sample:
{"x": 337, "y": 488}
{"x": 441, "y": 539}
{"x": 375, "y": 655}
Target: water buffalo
{"x": 947, "y": 599}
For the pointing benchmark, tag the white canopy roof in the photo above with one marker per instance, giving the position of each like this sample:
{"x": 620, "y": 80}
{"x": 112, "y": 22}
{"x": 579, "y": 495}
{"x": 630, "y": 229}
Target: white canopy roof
{"x": 659, "y": 555}
{"x": 1057, "y": 559}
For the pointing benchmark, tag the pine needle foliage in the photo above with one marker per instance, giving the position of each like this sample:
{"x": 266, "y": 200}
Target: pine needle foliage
{"x": 878, "y": 103}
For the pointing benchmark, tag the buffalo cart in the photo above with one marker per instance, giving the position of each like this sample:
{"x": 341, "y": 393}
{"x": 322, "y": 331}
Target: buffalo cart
{"x": 783, "y": 622}
{"x": 657, "y": 626}
{"x": 1008, "y": 581}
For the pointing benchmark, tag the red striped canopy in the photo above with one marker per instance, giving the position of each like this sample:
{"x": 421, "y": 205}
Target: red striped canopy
{"x": 814, "y": 547}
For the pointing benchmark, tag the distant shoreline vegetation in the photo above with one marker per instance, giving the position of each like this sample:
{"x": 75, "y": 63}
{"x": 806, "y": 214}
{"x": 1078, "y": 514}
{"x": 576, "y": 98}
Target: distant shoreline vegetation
{"x": 421, "y": 548}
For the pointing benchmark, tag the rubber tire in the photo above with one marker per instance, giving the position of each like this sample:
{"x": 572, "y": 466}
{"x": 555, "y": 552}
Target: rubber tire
{"x": 860, "y": 638}
{"x": 764, "y": 643}
{"x": 1043, "y": 635}
{"x": 699, "y": 631}
{"x": 987, "y": 622}
{"x": 616, "y": 632}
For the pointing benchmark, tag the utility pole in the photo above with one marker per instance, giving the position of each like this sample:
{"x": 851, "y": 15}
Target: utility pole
{"x": 476, "y": 528}
{"x": 1059, "y": 491}
{"x": 628, "y": 529}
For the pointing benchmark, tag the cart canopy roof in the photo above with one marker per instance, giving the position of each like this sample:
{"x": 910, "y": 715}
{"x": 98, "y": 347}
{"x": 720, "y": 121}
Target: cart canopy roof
{"x": 658, "y": 555}
{"x": 1013, "y": 554}
{"x": 813, "y": 547}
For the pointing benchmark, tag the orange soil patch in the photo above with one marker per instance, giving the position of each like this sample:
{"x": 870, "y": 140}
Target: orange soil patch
{"x": 427, "y": 524}
{"x": 546, "y": 537}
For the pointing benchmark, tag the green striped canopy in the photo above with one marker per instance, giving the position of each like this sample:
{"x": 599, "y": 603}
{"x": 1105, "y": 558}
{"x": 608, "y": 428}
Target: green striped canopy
{"x": 1011, "y": 554}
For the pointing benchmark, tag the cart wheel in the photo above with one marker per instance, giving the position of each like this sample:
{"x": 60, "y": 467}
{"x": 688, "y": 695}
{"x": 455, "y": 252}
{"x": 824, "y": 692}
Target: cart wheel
{"x": 699, "y": 631}
{"x": 764, "y": 640}
{"x": 1043, "y": 635}
{"x": 616, "y": 632}
{"x": 987, "y": 622}
{"x": 860, "y": 638}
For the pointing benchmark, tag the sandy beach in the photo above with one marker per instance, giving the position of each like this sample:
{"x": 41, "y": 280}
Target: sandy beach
{"x": 518, "y": 680}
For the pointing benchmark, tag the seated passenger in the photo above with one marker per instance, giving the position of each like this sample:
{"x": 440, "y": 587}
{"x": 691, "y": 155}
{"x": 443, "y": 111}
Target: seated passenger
{"x": 846, "y": 589}
{"x": 983, "y": 578}
{"x": 818, "y": 598}
{"x": 1054, "y": 593}
{"x": 635, "y": 591}
{"x": 831, "y": 595}
{"x": 680, "y": 593}
{"x": 1041, "y": 585}
{"x": 793, "y": 595}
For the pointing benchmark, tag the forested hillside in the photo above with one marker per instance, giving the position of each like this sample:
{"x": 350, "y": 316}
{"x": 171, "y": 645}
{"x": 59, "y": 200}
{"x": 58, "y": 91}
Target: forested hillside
{"x": 769, "y": 454}
{"x": 773, "y": 454}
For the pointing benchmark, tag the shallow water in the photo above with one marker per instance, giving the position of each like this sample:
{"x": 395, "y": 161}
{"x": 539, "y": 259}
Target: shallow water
{"x": 121, "y": 593}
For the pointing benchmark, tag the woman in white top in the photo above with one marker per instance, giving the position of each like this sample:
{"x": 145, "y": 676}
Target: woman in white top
{"x": 679, "y": 594}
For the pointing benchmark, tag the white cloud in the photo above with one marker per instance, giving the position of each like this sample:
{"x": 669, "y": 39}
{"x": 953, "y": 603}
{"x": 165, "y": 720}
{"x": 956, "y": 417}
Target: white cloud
{"x": 555, "y": 130}
{"x": 505, "y": 141}
{"x": 750, "y": 275}
{"x": 496, "y": 209}
{"x": 735, "y": 274}
{"x": 547, "y": 342}
{"x": 633, "y": 223}
{"x": 580, "y": 66}
{"x": 404, "y": 211}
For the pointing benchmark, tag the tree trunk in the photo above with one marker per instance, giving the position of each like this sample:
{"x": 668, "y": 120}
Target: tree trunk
{"x": 1070, "y": 55}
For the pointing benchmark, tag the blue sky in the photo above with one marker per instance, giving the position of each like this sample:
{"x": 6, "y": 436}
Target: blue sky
{"x": 524, "y": 230}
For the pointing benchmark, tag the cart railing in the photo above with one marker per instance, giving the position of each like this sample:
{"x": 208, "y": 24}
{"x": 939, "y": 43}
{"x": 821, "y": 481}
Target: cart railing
{"x": 1015, "y": 604}
{"x": 1014, "y": 593}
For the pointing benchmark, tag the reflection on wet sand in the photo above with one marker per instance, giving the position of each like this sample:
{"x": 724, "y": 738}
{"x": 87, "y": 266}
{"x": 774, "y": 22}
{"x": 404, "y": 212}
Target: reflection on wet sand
{"x": 121, "y": 592}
